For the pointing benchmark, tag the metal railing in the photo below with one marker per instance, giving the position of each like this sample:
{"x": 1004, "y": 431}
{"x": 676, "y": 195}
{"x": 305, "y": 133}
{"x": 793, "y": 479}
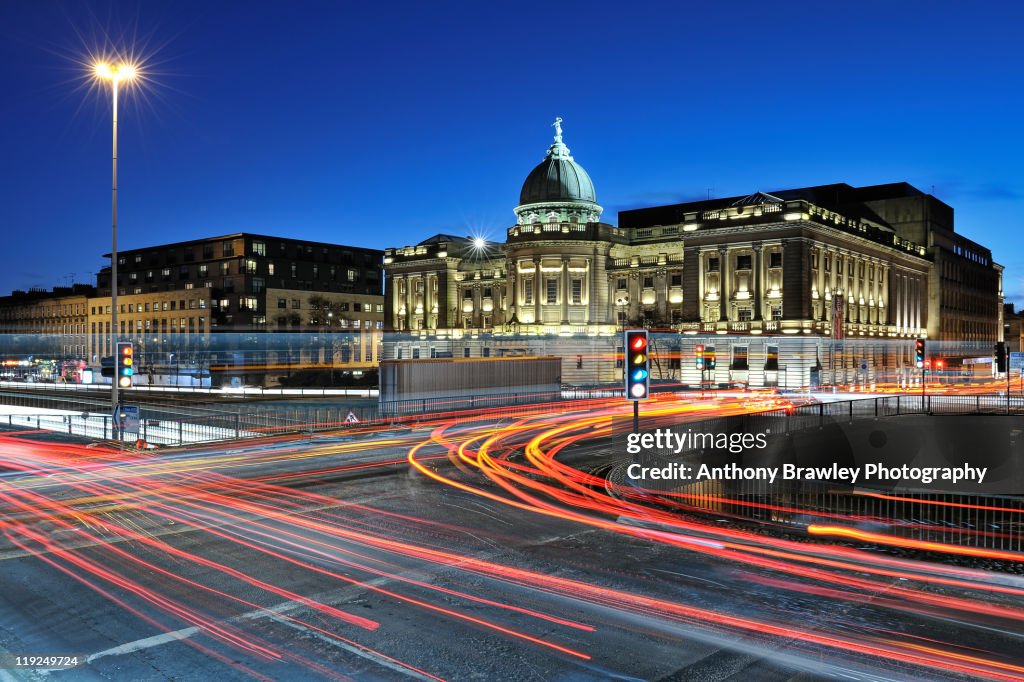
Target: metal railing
{"x": 989, "y": 521}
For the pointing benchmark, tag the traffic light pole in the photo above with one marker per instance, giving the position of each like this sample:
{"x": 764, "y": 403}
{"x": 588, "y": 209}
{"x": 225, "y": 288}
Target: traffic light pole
{"x": 636, "y": 416}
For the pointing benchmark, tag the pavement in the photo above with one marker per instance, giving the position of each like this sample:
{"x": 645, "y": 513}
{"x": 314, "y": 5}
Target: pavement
{"x": 327, "y": 557}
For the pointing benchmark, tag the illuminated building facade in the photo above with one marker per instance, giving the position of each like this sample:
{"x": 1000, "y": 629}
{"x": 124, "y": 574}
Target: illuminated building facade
{"x": 826, "y": 262}
{"x": 172, "y": 297}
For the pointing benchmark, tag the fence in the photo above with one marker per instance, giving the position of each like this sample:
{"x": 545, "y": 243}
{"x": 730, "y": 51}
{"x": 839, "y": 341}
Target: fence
{"x": 989, "y": 521}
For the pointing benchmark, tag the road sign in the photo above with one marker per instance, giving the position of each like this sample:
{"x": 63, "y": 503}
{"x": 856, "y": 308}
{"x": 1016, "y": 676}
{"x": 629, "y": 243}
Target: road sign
{"x": 1017, "y": 361}
{"x": 126, "y": 418}
{"x": 351, "y": 418}
{"x": 863, "y": 364}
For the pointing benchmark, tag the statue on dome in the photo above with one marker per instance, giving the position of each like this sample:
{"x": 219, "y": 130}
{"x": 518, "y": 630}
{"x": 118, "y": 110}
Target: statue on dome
{"x": 558, "y": 128}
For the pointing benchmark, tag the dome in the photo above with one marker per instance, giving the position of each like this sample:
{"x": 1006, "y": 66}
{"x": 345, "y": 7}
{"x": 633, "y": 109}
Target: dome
{"x": 558, "y": 178}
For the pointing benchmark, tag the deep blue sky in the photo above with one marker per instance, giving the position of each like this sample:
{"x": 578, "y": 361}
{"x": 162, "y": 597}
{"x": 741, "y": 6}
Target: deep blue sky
{"x": 379, "y": 124}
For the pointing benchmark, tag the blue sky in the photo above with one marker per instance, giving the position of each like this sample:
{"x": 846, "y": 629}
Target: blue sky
{"x": 379, "y": 124}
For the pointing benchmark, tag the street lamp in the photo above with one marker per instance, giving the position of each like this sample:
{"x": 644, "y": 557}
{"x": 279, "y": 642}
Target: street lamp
{"x": 115, "y": 74}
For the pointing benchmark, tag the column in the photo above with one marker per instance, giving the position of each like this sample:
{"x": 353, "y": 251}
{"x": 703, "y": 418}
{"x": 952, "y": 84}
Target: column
{"x": 565, "y": 290}
{"x": 426, "y": 302}
{"x": 536, "y": 290}
{"x": 758, "y": 267}
{"x": 512, "y": 283}
{"x": 723, "y": 285}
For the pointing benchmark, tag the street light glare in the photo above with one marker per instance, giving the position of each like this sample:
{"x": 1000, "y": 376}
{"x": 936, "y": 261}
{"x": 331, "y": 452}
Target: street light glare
{"x": 479, "y": 243}
{"x": 121, "y": 72}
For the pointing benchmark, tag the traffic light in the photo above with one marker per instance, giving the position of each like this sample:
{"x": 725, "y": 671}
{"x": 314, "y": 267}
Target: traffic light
{"x": 939, "y": 366}
{"x": 125, "y": 364}
{"x": 638, "y": 365}
{"x": 1001, "y": 356}
{"x": 709, "y": 358}
{"x": 107, "y": 366}
{"x": 919, "y": 353}
{"x": 699, "y": 359}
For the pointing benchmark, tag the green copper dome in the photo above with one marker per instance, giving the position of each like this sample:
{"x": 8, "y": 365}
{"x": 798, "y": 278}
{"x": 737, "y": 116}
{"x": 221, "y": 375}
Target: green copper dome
{"x": 557, "y": 178}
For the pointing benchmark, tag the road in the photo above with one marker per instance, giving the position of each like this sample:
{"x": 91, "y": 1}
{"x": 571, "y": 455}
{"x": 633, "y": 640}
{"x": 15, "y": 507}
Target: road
{"x": 484, "y": 548}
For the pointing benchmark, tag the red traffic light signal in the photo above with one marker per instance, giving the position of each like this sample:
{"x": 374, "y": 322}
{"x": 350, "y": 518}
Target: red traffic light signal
{"x": 637, "y": 365}
{"x": 699, "y": 356}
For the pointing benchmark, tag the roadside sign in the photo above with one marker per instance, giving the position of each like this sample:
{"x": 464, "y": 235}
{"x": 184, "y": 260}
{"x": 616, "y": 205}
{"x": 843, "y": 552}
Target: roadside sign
{"x": 126, "y": 419}
{"x": 351, "y": 418}
{"x": 863, "y": 364}
{"x": 1017, "y": 361}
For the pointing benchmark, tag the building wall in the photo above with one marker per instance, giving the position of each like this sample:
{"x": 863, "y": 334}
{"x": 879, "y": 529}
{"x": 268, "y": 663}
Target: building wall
{"x": 772, "y": 269}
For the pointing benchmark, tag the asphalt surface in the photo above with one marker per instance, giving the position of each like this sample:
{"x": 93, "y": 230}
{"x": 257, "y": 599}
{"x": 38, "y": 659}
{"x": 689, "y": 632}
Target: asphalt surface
{"x": 225, "y": 572}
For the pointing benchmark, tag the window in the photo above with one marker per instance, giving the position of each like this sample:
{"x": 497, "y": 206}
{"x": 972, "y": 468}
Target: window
{"x": 352, "y": 275}
{"x": 839, "y": 266}
{"x": 248, "y": 303}
{"x": 203, "y": 270}
{"x": 166, "y": 273}
{"x": 487, "y": 351}
{"x": 712, "y": 265}
{"x": 270, "y": 268}
{"x": 207, "y": 251}
{"x": 296, "y": 304}
{"x": 739, "y": 357}
{"x": 775, "y": 259}
{"x": 620, "y": 283}
{"x": 577, "y": 291}
{"x": 465, "y": 352}
{"x": 224, "y": 304}
{"x": 771, "y": 362}
{"x": 316, "y": 271}
{"x": 282, "y": 303}
{"x": 487, "y": 292}
{"x": 552, "y": 290}
{"x": 259, "y": 249}
{"x": 228, "y": 249}
{"x": 528, "y": 291}
{"x": 294, "y": 270}
{"x": 467, "y": 294}
{"x": 250, "y": 267}
{"x": 745, "y": 314}
{"x": 648, "y": 282}
{"x": 776, "y": 312}
{"x": 257, "y": 285}
{"x": 225, "y": 268}
{"x": 828, "y": 263}
{"x": 676, "y": 279}
{"x": 743, "y": 262}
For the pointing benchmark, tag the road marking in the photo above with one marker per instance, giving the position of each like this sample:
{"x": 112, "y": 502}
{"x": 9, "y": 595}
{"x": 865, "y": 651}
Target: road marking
{"x": 358, "y": 651}
{"x": 274, "y": 612}
{"x": 146, "y": 643}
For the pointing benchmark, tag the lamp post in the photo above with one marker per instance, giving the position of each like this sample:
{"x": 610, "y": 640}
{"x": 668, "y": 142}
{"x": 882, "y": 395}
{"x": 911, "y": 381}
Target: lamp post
{"x": 114, "y": 74}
